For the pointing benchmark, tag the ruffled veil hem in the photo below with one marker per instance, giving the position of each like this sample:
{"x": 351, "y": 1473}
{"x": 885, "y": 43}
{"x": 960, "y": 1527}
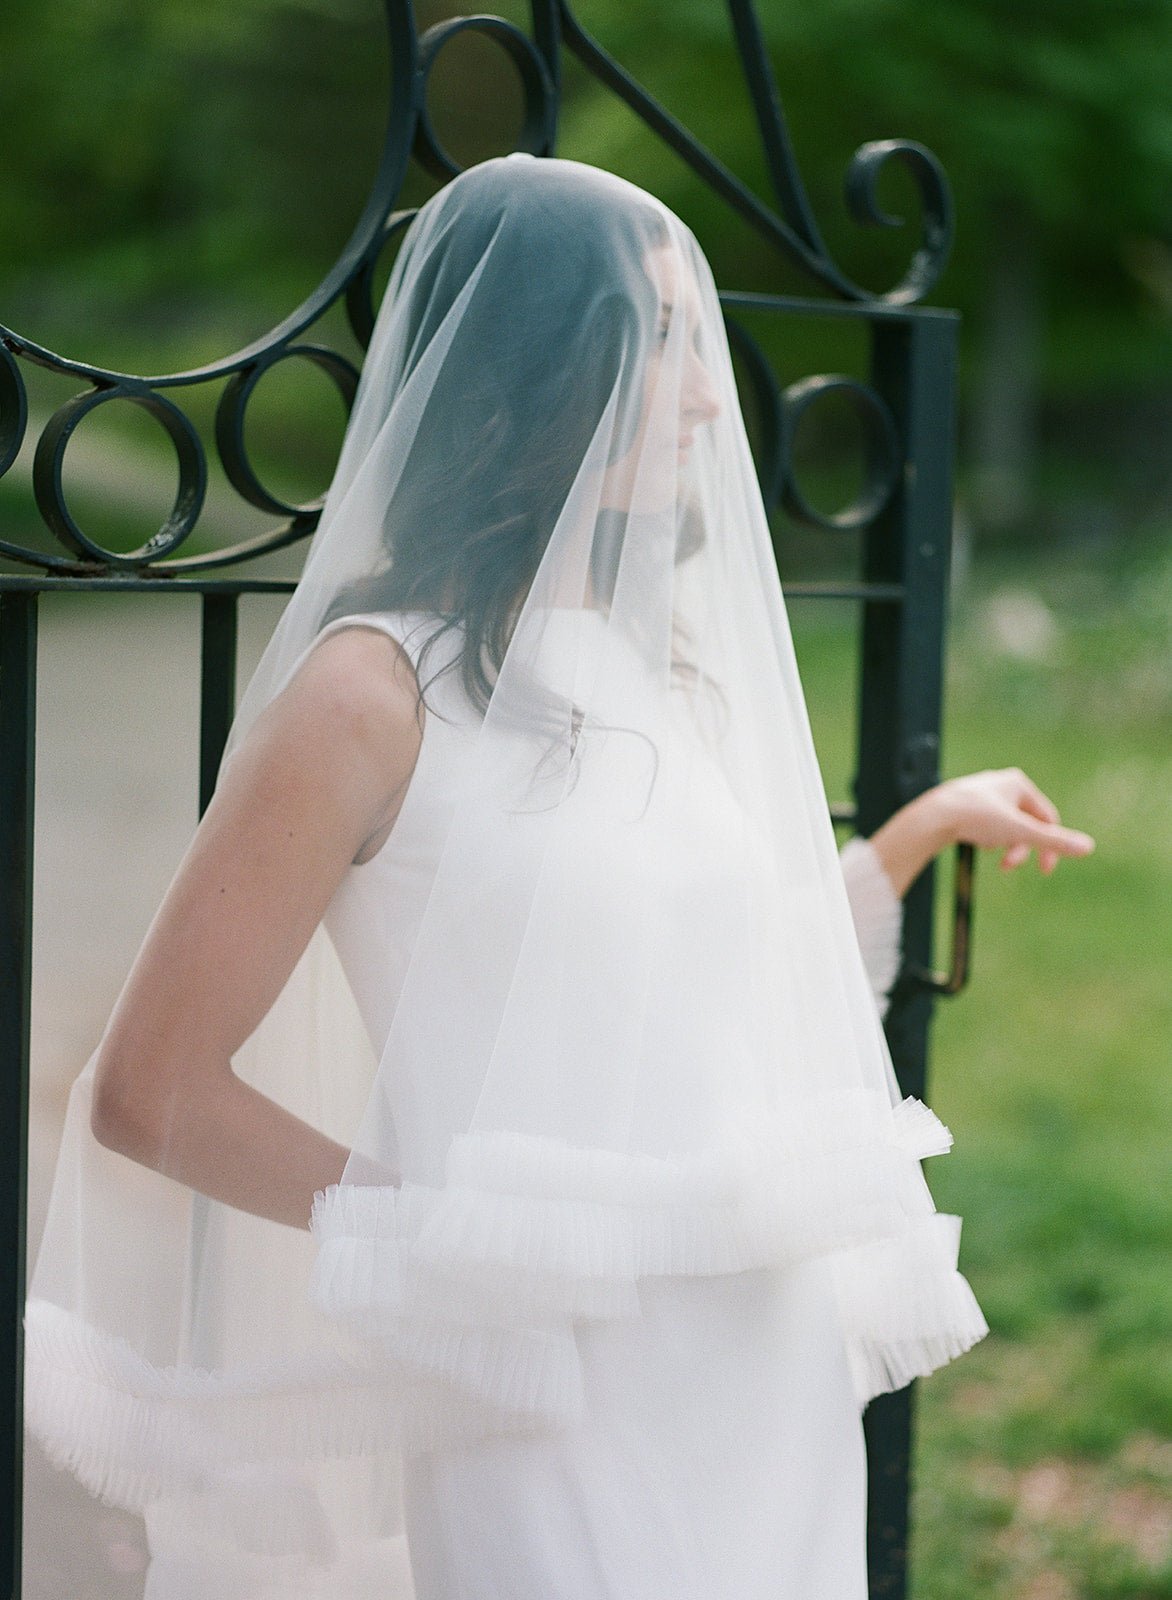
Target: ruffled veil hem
{"x": 413, "y": 1316}
{"x": 420, "y": 1316}
{"x": 134, "y": 1433}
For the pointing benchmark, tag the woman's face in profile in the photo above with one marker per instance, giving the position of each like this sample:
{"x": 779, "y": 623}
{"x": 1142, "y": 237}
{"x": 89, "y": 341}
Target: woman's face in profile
{"x": 645, "y": 478}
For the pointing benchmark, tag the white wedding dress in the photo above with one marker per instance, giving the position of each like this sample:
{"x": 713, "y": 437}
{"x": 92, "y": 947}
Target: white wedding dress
{"x": 633, "y": 1222}
{"x": 721, "y": 1453}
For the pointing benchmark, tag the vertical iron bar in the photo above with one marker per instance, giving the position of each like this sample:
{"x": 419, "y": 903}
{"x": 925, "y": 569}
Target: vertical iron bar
{"x": 779, "y": 157}
{"x": 18, "y": 710}
{"x": 913, "y": 365}
{"x": 217, "y": 700}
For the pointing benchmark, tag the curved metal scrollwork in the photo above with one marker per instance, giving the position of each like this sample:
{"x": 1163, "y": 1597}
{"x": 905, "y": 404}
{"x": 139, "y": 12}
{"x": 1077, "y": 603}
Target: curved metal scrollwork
{"x": 789, "y": 225}
{"x": 862, "y": 180}
{"x": 49, "y": 490}
{"x": 792, "y": 228}
{"x": 13, "y": 410}
{"x": 360, "y": 306}
{"x": 780, "y": 413}
{"x": 539, "y": 124}
{"x": 234, "y": 403}
{"x": 883, "y": 459}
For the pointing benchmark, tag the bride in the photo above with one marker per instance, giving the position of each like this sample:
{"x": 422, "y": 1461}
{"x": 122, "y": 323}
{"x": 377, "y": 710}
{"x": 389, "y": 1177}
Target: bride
{"x": 521, "y": 1203}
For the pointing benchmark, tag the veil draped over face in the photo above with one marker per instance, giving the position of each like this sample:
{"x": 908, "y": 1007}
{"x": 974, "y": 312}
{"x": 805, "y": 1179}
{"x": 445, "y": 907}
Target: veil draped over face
{"x": 633, "y": 1036}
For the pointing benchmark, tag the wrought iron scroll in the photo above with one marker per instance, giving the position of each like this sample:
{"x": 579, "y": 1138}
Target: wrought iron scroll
{"x": 788, "y": 223}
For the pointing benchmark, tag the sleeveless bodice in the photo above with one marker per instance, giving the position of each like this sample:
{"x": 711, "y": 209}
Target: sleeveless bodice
{"x": 697, "y": 866}
{"x": 377, "y": 908}
{"x": 667, "y": 899}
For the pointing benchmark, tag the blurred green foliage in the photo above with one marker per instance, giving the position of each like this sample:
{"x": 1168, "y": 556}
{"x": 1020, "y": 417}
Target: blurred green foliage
{"x": 1044, "y": 1460}
{"x": 178, "y": 176}
{"x": 204, "y": 161}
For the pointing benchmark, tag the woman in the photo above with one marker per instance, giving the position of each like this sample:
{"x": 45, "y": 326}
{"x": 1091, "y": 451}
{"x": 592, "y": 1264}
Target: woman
{"x": 514, "y": 958}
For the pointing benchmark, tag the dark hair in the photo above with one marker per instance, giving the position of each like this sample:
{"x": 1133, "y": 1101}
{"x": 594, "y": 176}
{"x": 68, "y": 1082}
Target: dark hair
{"x": 464, "y": 540}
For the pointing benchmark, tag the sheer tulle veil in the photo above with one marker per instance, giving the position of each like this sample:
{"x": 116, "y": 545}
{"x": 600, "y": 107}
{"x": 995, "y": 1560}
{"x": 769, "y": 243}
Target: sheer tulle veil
{"x": 599, "y": 1069}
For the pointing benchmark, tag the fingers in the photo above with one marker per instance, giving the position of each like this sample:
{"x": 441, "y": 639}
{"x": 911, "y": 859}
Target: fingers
{"x": 1036, "y": 803}
{"x": 1014, "y": 856}
{"x": 1039, "y": 805}
{"x": 1052, "y": 843}
{"x": 1004, "y": 809}
{"x": 1069, "y": 842}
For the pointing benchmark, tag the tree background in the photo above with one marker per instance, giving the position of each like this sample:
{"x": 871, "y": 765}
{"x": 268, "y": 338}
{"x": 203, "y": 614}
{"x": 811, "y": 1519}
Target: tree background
{"x": 177, "y": 175}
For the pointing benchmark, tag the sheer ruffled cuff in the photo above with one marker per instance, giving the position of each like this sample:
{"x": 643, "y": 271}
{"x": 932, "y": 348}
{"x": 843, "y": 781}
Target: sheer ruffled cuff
{"x": 877, "y": 912}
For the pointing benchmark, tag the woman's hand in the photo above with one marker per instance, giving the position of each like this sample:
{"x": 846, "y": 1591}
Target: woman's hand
{"x": 994, "y": 810}
{"x": 1005, "y": 810}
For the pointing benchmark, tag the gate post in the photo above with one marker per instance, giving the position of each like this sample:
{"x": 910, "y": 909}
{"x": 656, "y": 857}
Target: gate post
{"x": 18, "y": 712}
{"x": 901, "y": 666}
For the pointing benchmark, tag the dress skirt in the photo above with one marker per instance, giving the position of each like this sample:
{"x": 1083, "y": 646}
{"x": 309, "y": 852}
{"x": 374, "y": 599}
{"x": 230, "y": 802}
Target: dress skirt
{"x": 720, "y": 1457}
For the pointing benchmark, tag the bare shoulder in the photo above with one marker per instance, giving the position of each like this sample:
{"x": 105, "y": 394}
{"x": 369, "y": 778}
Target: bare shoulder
{"x": 363, "y": 676}
{"x": 347, "y": 728}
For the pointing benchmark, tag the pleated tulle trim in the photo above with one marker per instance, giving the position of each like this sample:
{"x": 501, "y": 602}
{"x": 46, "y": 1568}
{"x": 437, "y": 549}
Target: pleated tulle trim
{"x": 135, "y": 1433}
{"x": 529, "y": 1234}
{"x": 527, "y": 1226}
{"x": 130, "y": 1430}
{"x": 454, "y": 1308}
{"x": 906, "y": 1310}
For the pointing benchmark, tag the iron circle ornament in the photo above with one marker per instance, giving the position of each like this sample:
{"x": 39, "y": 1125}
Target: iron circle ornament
{"x": 360, "y": 309}
{"x": 13, "y": 410}
{"x": 539, "y": 121}
{"x": 883, "y": 456}
{"x": 232, "y": 409}
{"x": 49, "y": 459}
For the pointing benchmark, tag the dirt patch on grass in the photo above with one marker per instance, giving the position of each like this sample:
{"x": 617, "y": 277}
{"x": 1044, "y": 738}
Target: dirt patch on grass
{"x": 1069, "y": 1517}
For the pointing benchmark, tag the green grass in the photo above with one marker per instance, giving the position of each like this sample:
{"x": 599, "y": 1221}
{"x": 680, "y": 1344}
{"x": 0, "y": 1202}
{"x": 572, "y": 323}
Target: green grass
{"x": 1044, "y": 1460}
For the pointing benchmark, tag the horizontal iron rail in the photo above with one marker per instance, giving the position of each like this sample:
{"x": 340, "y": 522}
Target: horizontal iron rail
{"x": 18, "y": 583}
{"x": 856, "y": 310}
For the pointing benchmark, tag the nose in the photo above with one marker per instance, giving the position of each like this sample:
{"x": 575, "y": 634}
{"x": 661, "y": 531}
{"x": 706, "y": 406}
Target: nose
{"x": 700, "y": 402}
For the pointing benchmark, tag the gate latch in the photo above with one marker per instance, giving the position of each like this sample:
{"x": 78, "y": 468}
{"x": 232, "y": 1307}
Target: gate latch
{"x": 954, "y": 980}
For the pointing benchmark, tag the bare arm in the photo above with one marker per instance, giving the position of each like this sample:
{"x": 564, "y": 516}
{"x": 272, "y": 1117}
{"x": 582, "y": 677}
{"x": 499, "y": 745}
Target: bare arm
{"x": 317, "y": 783}
{"x": 995, "y": 810}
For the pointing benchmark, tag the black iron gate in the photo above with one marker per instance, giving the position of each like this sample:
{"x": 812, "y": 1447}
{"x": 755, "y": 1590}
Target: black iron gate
{"x": 902, "y": 513}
